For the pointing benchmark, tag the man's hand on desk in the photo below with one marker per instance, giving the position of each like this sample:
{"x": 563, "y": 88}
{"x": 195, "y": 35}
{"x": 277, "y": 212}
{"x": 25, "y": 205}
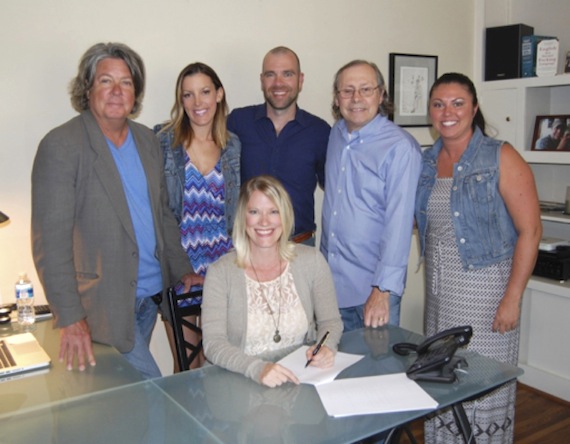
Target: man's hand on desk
{"x": 76, "y": 341}
{"x": 377, "y": 308}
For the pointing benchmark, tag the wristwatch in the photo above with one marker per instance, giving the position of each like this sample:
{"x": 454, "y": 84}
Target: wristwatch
{"x": 381, "y": 289}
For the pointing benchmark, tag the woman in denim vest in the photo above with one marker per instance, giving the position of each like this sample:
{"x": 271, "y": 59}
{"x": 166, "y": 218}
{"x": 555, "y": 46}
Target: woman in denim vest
{"x": 479, "y": 224}
{"x": 202, "y": 171}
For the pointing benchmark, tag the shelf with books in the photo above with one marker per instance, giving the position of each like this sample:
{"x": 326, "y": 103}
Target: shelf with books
{"x": 511, "y": 108}
{"x": 529, "y": 82}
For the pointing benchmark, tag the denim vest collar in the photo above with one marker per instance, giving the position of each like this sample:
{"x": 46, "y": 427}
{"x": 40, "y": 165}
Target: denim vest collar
{"x": 430, "y": 156}
{"x": 484, "y": 230}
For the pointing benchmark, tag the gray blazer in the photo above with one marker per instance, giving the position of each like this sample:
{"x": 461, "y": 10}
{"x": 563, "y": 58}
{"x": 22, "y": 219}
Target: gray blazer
{"x": 83, "y": 239}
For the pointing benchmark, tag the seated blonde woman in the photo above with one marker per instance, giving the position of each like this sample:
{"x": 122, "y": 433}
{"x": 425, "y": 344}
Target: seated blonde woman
{"x": 269, "y": 296}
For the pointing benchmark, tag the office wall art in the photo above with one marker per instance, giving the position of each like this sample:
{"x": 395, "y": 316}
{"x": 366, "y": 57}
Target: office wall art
{"x": 411, "y": 77}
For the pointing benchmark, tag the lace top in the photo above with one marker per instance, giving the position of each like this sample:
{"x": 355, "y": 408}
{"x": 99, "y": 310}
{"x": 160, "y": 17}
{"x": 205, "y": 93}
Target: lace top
{"x": 279, "y": 297}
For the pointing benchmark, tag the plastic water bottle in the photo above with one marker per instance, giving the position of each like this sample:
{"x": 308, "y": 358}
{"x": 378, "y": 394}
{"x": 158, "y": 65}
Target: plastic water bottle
{"x": 25, "y": 300}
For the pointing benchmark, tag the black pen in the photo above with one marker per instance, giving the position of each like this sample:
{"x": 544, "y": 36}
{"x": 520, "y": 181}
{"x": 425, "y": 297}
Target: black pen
{"x": 318, "y": 347}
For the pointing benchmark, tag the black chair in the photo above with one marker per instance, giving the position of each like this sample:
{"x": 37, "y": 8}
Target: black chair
{"x": 185, "y": 351}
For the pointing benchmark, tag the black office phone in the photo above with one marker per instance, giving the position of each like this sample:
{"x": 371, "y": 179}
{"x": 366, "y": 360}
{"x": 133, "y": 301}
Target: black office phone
{"x": 436, "y": 360}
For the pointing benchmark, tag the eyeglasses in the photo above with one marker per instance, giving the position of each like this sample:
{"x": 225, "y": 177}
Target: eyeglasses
{"x": 365, "y": 91}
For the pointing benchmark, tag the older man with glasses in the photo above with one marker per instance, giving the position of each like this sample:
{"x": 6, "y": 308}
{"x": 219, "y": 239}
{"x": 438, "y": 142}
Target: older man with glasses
{"x": 372, "y": 171}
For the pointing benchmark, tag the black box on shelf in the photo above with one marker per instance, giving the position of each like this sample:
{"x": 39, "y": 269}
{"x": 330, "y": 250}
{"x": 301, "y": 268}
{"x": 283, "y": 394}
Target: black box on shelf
{"x": 553, "y": 264}
{"x": 503, "y": 51}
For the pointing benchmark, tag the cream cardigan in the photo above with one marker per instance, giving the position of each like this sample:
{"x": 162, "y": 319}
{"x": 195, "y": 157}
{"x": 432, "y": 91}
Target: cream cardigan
{"x": 224, "y": 310}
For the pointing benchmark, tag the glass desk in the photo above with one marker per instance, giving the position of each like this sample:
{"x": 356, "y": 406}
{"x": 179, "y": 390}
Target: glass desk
{"x": 236, "y": 409}
{"x": 212, "y": 405}
{"x": 48, "y": 386}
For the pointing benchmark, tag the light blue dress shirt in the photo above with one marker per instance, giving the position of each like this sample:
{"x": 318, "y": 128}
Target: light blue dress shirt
{"x": 368, "y": 210}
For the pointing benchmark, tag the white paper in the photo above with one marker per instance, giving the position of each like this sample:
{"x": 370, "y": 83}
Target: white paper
{"x": 374, "y": 394}
{"x": 296, "y": 361}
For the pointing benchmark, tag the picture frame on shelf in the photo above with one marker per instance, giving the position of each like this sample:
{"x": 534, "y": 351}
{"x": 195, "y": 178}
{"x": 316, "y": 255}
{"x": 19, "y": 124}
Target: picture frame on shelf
{"x": 551, "y": 133}
{"x": 411, "y": 77}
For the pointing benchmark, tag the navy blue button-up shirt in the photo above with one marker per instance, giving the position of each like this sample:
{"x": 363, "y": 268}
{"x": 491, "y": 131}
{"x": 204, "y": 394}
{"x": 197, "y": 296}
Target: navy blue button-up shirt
{"x": 296, "y": 156}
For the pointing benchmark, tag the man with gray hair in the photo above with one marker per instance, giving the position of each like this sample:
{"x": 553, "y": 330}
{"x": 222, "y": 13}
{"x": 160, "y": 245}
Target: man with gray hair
{"x": 372, "y": 172}
{"x": 105, "y": 243}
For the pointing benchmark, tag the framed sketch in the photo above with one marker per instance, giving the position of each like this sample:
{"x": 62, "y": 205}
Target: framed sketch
{"x": 411, "y": 77}
{"x": 551, "y": 133}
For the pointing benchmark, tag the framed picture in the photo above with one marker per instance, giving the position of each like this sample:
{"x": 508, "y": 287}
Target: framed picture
{"x": 551, "y": 133}
{"x": 411, "y": 77}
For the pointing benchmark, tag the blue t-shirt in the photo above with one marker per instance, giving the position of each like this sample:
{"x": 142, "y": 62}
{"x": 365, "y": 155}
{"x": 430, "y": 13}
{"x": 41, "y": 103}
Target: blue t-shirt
{"x": 296, "y": 156}
{"x": 135, "y": 187}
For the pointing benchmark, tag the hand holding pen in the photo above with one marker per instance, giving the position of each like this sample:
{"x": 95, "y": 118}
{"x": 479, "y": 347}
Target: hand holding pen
{"x": 317, "y": 348}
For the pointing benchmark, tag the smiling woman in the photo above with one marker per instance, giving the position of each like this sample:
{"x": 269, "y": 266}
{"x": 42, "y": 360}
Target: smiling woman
{"x": 270, "y": 295}
{"x": 263, "y": 221}
{"x": 202, "y": 169}
{"x": 479, "y": 225}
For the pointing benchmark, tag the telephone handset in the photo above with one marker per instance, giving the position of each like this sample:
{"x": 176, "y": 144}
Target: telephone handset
{"x": 435, "y": 356}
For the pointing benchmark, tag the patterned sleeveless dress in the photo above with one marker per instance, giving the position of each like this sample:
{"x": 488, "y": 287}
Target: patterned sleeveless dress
{"x": 204, "y": 234}
{"x": 457, "y": 297}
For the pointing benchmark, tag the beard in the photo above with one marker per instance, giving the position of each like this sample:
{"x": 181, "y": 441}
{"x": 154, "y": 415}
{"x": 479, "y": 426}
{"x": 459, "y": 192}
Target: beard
{"x": 280, "y": 104}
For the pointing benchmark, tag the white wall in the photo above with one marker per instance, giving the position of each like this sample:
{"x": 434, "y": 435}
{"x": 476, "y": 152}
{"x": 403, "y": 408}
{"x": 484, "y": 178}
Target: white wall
{"x": 42, "y": 42}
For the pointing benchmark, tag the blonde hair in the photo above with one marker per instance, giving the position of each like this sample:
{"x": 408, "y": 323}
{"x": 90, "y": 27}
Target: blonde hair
{"x": 274, "y": 190}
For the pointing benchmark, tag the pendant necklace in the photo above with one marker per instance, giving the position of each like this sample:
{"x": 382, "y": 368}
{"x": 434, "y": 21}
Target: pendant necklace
{"x": 276, "y": 336}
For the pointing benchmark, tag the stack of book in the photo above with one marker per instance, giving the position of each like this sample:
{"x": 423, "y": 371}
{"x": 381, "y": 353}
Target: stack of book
{"x": 539, "y": 56}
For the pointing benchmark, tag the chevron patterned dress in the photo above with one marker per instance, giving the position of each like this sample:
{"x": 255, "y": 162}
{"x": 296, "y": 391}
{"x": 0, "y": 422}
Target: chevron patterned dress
{"x": 203, "y": 230}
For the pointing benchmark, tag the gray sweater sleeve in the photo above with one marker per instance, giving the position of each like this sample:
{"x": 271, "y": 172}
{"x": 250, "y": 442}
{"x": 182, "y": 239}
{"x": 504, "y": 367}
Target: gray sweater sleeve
{"x": 224, "y": 318}
{"x": 224, "y": 309}
{"x": 315, "y": 286}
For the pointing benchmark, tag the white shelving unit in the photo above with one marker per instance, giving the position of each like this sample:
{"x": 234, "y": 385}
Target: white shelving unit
{"x": 510, "y": 108}
{"x": 560, "y": 218}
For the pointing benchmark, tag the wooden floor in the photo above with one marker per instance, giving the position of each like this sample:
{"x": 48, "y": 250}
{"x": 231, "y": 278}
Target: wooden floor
{"x": 539, "y": 418}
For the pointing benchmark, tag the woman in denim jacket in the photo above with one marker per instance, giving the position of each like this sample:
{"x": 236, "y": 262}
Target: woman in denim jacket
{"x": 479, "y": 225}
{"x": 202, "y": 171}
